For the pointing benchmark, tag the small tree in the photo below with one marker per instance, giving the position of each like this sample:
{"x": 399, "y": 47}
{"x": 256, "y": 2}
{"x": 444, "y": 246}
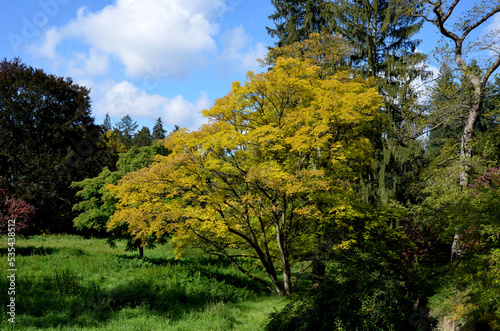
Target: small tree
{"x": 143, "y": 137}
{"x": 98, "y": 204}
{"x": 125, "y": 129}
{"x": 158, "y": 131}
{"x": 107, "y": 123}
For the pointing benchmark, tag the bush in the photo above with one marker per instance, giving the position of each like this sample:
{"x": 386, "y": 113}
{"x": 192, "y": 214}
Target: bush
{"x": 371, "y": 301}
{"x": 369, "y": 287}
{"x": 12, "y": 208}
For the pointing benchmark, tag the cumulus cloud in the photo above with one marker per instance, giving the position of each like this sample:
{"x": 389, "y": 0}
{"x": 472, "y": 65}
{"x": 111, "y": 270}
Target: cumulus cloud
{"x": 93, "y": 63}
{"x": 47, "y": 48}
{"x": 238, "y": 48}
{"x": 141, "y": 34}
{"x": 492, "y": 32}
{"x": 144, "y": 43}
{"x": 125, "y": 98}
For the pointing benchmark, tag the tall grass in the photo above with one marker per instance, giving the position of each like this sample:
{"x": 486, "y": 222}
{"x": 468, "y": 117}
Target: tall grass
{"x": 71, "y": 283}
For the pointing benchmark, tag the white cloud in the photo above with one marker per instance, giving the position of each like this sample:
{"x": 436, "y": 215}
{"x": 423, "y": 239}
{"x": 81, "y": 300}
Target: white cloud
{"x": 492, "y": 32}
{"x": 150, "y": 41}
{"x": 125, "y": 98}
{"x": 93, "y": 64}
{"x": 47, "y": 49}
{"x": 495, "y": 24}
{"x": 238, "y": 49}
{"x": 145, "y": 33}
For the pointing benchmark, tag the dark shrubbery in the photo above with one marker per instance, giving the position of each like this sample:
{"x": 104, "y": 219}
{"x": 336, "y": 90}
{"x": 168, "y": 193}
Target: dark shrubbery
{"x": 358, "y": 298}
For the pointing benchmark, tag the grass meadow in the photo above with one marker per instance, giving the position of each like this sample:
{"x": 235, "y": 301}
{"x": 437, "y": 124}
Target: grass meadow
{"x": 67, "y": 282}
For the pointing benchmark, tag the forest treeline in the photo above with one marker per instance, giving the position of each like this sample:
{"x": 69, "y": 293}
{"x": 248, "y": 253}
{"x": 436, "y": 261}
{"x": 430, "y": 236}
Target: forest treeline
{"x": 346, "y": 162}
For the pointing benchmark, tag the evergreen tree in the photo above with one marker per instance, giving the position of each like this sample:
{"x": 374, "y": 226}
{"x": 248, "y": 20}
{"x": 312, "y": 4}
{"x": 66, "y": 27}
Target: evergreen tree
{"x": 446, "y": 112}
{"x": 125, "y": 130}
{"x": 380, "y": 32}
{"x": 158, "y": 131}
{"x": 295, "y": 20}
{"x": 143, "y": 137}
{"x": 107, "y": 123}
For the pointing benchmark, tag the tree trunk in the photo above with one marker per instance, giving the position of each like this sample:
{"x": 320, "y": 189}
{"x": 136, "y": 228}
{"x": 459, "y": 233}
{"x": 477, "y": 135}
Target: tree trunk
{"x": 466, "y": 141}
{"x": 141, "y": 252}
{"x": 318, "y": 272}
{"x": 465, "y": 156}
{"x": 277, "y": 284}
{"x": 285, "y": 264}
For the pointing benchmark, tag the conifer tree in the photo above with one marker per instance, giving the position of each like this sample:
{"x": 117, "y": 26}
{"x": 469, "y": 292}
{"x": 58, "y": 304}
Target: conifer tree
{"x": 158, "y": 131}
{"x": 295, "y": 20}
{"x": 143, "y": 137}
{"x": 125, "y": 129}
{"x": 107, "y": 123}
{"x": 380, "y": 32}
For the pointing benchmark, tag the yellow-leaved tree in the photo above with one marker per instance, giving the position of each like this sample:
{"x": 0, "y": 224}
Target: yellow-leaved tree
{"x": 250, "y": 184}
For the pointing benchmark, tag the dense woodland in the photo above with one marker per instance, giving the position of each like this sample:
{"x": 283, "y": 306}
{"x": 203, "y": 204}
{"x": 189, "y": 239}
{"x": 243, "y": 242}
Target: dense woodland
{"x": 346, "y": 162}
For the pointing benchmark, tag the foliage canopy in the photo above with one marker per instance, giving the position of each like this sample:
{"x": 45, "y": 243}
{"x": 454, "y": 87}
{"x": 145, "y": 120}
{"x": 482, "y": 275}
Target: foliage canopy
{"x": 252, "y": 179}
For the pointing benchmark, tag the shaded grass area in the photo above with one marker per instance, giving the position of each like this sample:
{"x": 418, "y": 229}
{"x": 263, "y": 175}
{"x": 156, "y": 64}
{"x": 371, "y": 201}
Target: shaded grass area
{"x": 71, "y": 283}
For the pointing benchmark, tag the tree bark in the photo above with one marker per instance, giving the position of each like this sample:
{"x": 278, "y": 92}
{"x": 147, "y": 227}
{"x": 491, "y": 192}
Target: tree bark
{"x": 318, "y": 272}
{"x": 468, "y": 135}
{"x": 285, "y": 264}
{"x": 141, "y": 252}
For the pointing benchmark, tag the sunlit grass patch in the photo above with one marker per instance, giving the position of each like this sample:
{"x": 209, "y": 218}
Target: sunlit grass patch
{"x": 72, "y": 283}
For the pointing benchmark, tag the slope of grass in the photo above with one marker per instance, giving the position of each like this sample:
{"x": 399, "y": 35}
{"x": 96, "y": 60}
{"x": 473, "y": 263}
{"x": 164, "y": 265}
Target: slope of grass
{"x": 71, "y": 283}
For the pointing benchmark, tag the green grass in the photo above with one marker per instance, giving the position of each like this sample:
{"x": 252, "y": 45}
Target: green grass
{"x": 71, "y": 283}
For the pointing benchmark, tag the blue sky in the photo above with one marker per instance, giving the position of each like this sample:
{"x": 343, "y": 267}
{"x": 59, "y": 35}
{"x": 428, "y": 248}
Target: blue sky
{"x": 145, "y": 58}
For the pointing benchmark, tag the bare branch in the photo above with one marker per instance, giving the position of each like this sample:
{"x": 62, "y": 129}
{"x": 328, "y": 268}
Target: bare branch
{"x": 490, "y": 71}
{"x": 452, "y": 7}
{"x": 481, "y": 21}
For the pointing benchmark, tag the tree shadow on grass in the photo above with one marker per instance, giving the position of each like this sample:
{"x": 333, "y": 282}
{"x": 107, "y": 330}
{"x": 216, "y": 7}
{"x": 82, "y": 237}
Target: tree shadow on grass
{"x": 205, "y": 266}
{"x": 65, "y": 299}
{"x": 29, "y": 250}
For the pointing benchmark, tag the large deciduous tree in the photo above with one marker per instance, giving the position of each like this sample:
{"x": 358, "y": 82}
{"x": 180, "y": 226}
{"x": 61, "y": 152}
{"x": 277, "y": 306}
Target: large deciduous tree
{"x": 48, "y": 139}
{"x": 440, "y": 14}
{"x": 252, "y": 184}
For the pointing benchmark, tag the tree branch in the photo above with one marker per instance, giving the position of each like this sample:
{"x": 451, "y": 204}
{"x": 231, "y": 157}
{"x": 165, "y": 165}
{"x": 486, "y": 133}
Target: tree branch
{"x": 233, "y": 261}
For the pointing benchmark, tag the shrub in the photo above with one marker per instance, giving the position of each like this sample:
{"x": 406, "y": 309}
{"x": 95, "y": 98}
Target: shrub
{"x": 360, "y": 294}
{"x": 12, "y": 208}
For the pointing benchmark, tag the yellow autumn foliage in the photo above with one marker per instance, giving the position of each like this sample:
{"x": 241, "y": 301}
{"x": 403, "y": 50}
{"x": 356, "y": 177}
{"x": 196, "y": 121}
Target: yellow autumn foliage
{"x": 247, "y": 180}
